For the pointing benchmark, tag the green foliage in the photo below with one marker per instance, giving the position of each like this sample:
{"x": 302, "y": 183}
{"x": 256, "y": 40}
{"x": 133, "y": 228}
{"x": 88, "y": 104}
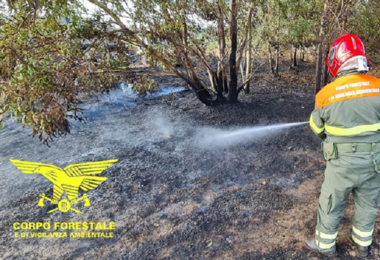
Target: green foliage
{"x": 300, "y": 32}
{"x": 44, "y": 64}
{"x": 288, "y": 21}
{"x": 364, "y": 21}
{"x": 166, "y": 25}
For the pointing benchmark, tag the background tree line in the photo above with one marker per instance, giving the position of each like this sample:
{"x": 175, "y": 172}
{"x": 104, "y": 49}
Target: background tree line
{"x": 52, "y": 50}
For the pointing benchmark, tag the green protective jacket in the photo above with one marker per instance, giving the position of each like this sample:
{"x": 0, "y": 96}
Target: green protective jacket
{"x": 348, "y": 110}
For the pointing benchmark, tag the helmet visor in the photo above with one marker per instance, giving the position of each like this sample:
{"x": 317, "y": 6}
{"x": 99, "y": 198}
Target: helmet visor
{"x": 357, "y": 63}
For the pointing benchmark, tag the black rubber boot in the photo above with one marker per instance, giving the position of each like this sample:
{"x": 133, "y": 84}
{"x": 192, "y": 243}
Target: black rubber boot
{"x": 361, "y": 250}
{"x": 310, "y": 243}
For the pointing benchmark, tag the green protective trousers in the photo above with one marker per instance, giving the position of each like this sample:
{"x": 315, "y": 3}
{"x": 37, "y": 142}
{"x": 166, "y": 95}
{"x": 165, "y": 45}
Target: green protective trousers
{"x": 355, "y": 172}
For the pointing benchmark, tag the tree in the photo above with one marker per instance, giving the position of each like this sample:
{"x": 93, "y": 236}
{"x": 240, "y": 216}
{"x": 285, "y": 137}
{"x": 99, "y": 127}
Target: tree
{"x": 302, "y": 18}
{"x": 320, "y": 57}
{"x": 247, "y": 72}
{"x": 363, "y": 19}
{"x": 270, "y": 31}
{"x": 49, "y": 52}
{"x": 44, "y": 62}
{"x": 168, "y": 30}
{"x": 338, "y": 18}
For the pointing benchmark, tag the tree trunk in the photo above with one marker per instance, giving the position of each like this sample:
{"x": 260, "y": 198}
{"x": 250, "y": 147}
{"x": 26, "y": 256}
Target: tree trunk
{"x": 214, "y": 85}
{"x": 291, "y": 56}
{"x": 295, "y": 57}
{"x": 277, "y": 46}
{"x": 248, "y": 53}
{"x": 277, "y": 60}
{"x": 248, "y": 70}
{"x": 325, "y": 74}
{"x": 271, "y": 59}
{"x": 201, "y": 92}
{"x": 203, "y": 95}
{"x": 322, "y": 33}
{"x": 221, "y": 71}
{"x": 302, "y": 53}
{"x": 233, "y": 93}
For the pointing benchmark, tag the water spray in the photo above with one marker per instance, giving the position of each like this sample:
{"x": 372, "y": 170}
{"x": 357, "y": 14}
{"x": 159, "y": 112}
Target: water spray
{"x": 258, "y": 129}
{"x": 210, "y": 137}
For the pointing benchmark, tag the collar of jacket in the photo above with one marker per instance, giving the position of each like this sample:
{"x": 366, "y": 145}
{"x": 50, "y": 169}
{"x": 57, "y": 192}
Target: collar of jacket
{"x": 346, "y": 73}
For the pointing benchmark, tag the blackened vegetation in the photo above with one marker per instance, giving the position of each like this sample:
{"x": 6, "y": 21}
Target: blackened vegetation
{"x": 171, "y": 199}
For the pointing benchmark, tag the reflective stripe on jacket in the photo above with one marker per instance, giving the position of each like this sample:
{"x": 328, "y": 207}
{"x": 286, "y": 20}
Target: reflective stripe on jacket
{"x": 348, "y": 110}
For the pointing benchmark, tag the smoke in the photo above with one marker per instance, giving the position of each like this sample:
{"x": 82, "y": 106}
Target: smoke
{"x": 163, "y": 125}
{"x": 209, "y": 137}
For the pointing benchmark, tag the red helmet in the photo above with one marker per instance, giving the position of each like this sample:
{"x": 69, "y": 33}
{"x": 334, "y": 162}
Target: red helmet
{"x": 347, "y": 53}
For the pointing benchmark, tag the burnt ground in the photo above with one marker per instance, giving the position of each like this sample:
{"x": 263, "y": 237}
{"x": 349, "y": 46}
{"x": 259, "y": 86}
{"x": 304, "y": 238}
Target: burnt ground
{"x": 172, "y": 197}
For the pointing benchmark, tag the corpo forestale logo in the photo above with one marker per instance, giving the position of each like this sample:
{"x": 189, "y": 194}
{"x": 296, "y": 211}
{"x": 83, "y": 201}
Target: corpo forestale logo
{"x": 68, "y": 180}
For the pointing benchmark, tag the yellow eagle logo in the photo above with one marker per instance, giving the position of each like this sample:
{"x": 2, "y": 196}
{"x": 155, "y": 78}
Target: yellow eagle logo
{"x": 67, "y": 180}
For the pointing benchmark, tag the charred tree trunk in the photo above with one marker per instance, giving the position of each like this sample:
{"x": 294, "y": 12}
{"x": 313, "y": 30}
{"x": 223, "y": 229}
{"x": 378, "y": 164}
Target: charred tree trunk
{"x": 271, "y": 66}
{"x": 325, "y": 75}
{"x": 195, "y": 83}
{"x": 202, "y": 94}
{"x": 295, "y": 57}
{"x": 221, "y": 72}
{"x": 233, "y": 93}
{"x": 322, "y": 33}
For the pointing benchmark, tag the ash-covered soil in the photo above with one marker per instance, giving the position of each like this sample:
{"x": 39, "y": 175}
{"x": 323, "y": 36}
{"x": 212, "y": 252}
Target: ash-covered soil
{"x": 173, "y": 195}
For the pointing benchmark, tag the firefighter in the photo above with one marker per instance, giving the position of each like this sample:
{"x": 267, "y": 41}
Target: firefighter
{"x": 347, "y": 118}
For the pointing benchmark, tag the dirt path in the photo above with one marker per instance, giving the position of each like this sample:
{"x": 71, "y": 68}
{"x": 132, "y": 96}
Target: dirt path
{"x": 171, "y": 197}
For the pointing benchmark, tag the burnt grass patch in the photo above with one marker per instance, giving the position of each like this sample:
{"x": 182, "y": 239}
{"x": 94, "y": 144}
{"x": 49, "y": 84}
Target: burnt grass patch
{"x": 173, "y": 199}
